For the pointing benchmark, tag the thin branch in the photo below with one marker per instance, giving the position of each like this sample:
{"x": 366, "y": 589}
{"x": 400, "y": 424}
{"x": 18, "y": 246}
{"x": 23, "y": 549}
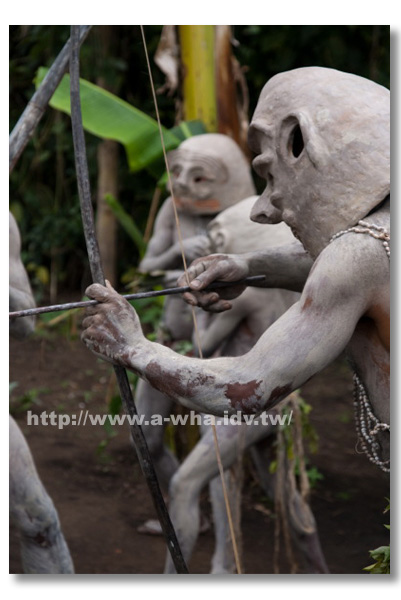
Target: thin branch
{"x": 26, "y": 125}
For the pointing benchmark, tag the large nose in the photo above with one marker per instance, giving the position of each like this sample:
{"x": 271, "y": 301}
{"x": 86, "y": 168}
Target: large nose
{"x": 180, "y": 184}
{"x": 264, "y": 212}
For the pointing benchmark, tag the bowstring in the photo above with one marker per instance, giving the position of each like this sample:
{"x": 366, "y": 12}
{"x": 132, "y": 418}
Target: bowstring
{"x": 195, "y": 321}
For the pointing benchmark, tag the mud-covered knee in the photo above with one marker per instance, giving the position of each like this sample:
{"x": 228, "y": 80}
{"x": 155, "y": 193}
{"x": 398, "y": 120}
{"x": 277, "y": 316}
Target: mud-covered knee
{"x": 40, "y": 525}
{"x": 183, "y": 486}
{"x": 177, "y": 485}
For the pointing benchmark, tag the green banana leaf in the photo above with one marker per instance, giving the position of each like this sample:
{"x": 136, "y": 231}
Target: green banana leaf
{"x": 127, "y": 222}
{"x": 109, "y": 117}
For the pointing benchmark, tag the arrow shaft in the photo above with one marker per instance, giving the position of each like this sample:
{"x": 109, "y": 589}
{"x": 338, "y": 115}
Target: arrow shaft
{"x": 29, "y": 312}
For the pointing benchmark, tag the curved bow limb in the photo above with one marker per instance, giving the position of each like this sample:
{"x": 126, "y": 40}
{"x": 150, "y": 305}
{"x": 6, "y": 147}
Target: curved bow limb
{"x": 98, "y": 277}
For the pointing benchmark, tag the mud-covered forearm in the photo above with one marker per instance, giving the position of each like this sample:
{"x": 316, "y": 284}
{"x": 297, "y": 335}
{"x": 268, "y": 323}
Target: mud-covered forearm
{"x": 216, "y": 386}
{"x": 170, "y": 259}
{"x": 294, "y": 348}
{"x": 286, "y": 267}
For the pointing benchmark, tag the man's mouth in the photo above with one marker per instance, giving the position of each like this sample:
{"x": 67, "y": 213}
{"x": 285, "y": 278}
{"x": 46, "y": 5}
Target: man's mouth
{"x": 209, "y": 204}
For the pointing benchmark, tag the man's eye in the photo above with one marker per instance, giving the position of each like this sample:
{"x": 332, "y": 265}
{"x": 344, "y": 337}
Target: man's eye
{"x": 296, "y": 141}
{"x": 199, "y": 179}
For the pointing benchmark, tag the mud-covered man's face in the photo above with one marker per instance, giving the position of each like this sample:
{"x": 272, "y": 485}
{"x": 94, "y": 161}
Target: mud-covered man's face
{"x": 322, "y": 143}
{"x": 209, "y": 173}
{"x": 196, "y": 182}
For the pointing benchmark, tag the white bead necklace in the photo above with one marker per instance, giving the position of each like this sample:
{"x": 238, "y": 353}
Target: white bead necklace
{"x": 367, "y": 424}
{"x": 379, "y": 233}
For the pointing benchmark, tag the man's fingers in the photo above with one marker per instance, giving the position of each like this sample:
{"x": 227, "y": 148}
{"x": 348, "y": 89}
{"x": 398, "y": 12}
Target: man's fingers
{"x": 102, "y": 293}
{"x": 218, "y": 307}
{"x": 200, "y": 273}
{"x": 209, "y": 302}
{"x": 204, "y": 277}
{"x": 190, "y": 299}
{"x": 98, "y": 292}
{"x": 109, "y": 286}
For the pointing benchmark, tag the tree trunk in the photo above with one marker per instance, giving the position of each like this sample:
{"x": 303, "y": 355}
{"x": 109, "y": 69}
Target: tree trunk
{"x": 106, "y": 226}
{"x": 107, "y": 181}
{"x": 231, "y": 90}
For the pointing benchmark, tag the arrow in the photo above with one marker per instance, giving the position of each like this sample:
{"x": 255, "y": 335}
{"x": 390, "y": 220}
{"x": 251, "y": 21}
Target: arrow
{"x": 29, "y": 312}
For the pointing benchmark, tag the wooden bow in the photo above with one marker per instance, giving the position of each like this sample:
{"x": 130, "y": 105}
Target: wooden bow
{"x": 139, "y": 440}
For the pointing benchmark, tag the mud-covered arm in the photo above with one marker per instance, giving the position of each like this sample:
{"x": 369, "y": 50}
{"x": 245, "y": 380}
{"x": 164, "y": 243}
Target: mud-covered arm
{"x": 163, "y": 251}
{"x": 222, "y": 326}
{"x": 20, "y": 292}
{"x": 160, "y": 253}
{"x": 285, "y": 267}
{"x": 303, "y": 341}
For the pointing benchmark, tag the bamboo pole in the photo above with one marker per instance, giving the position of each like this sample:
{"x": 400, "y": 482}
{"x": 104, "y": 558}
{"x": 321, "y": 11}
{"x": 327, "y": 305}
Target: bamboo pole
{"x": 198, "y": 67}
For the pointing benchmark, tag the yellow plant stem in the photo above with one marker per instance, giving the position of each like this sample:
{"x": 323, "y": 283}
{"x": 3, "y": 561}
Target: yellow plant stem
{"x": 199, "y": 81}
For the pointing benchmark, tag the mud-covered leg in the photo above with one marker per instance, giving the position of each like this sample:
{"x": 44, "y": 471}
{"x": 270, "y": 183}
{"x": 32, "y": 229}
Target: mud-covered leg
{"x": 223, "y": 560}
{"x": 198, "y": 469}
{"x": 43, "y": 547}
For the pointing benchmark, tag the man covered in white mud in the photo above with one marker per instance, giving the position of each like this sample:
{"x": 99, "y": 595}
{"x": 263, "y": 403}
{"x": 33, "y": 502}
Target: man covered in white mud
{"x": 32, "y": 512}
{"x": 321, "y": 139}
{"x": 209, "y": 173}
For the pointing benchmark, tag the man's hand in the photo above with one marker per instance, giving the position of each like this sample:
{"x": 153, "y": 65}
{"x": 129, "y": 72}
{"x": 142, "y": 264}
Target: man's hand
{"x": 111, "y": 328}
{"x": 194, "y": 247}
{"x": 203, "y": 271}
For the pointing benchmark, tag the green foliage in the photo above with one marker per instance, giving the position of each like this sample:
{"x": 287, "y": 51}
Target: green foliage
{"x": 309, "y": 436}
{"x": 309, "y": 433}
{"x": 314, "y": 475}
{"x": 109, "y": 117}
{"x": 28, "y": 400}
{"x": 345, "y": 495}
{"x": 381, "y": 555}
{"x": 150, "y": 311}
{"x": 183, "y": 347}
{"x": 127, "y": 222}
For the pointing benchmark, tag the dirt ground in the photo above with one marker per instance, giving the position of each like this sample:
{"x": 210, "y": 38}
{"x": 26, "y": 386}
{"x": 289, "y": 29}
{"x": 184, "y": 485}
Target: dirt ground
{"x": 101, "y": 496}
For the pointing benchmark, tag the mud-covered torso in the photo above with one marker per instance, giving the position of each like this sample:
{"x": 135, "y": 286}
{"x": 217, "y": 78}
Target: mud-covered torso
{"x": 369, "y": 347}
{"x": 191, "y": 225}
{"x": 177, "y": 317}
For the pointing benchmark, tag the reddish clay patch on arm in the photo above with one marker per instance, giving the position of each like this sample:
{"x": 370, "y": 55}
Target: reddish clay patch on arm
{"x": 170, "y": 383}
{"x": 245, "y": 396}
{"x": 308, "y": 302}
{"x": 175, "y": 383}
{"x": 279, "y": 393}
